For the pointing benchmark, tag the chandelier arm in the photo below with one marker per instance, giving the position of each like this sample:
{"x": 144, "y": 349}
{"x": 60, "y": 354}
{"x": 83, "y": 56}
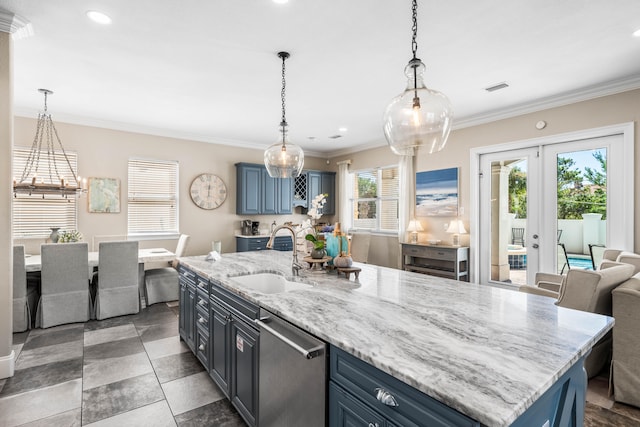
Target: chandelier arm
{"x": 33, "y": 153}
{"x": 64, "y": 153}
{"x": 51, "y": 152}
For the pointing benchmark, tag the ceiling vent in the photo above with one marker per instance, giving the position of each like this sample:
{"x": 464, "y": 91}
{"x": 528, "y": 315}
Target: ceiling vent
{"x": 496, "y": 87}
{"x": 335, "y": 136}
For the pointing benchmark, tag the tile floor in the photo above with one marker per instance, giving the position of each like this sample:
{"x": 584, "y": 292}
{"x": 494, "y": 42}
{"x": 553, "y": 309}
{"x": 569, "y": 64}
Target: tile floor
{"x": 135, "y": 371}
{"x": 125, "y": 371}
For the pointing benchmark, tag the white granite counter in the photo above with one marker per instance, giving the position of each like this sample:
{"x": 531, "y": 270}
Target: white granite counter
{"x": 487, "y": 352}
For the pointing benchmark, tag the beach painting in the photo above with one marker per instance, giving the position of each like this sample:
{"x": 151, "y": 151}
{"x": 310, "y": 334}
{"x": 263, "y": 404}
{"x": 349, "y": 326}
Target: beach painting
{"x": 437, "y": 193}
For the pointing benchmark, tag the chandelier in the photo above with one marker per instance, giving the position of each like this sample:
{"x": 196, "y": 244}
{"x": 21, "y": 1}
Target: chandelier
{"x": 418, "y": 117}
{"x": 48, "y": 170}
{"x": 283, "y": 159}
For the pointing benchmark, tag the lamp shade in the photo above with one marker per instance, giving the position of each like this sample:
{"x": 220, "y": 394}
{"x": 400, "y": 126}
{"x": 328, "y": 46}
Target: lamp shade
{"x": 284, "y": 160}
{"x": 418, "y": 118}
{"x": 457, "y": 227}
{"x": 414, "y": 225}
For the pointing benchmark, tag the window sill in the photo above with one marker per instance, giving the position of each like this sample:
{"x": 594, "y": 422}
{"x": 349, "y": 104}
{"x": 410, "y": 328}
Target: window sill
{"x": 153, "y": 236}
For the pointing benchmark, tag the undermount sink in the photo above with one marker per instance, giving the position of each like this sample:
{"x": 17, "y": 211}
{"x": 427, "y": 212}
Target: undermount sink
{"x": 269, "y": 283}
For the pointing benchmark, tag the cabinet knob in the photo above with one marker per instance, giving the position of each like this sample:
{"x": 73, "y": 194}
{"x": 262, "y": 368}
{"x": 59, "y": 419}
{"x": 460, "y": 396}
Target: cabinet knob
{"x": 201, "y": 302}
{"x": 201, "y": 347}
{"x": 201, "y": 320}
{"x": 385, "y": 397}
{"x": 373, "y": 425}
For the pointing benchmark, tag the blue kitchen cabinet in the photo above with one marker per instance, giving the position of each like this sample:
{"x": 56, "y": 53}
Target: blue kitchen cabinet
{"x": 259, "y": 243}
{"x": 322, "y": 183}
{"x": 259, "y": 194}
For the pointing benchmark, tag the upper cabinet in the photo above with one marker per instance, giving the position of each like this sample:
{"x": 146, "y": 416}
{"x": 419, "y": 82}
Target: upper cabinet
{"x": 257, "y": 193}
{"x": 311, "y": 183}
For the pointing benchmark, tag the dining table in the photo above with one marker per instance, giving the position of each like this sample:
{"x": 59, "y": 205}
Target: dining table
{"x": 33, "y": 263}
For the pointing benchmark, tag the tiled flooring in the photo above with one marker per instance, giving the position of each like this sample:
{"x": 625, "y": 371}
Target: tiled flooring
{"x": 135, "y": 371}
{"x": 125, "y": 371}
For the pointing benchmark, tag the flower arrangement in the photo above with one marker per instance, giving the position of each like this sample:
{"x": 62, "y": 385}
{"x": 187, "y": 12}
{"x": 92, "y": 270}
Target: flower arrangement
{"x": 70, "y": 236}
{"x": 316, "y": 206}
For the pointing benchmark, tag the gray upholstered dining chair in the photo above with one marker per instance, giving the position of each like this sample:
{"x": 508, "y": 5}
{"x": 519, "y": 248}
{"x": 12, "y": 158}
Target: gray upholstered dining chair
{"x": 116, "y": 282}
{"x": 161, "y": 284}
{"x": 25, "y": 296}
{"x": 64, "y": 284}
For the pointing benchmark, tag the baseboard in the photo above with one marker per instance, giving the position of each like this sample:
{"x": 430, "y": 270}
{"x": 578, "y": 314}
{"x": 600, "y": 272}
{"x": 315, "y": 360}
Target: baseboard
{"x": 7, "y": 364}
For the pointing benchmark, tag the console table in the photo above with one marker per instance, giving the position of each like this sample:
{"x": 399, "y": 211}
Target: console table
{"x": 437, "y": 260}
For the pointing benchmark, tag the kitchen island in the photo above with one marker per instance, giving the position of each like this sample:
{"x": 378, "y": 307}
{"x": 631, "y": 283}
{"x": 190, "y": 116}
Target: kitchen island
{"x": 491, "y": 354}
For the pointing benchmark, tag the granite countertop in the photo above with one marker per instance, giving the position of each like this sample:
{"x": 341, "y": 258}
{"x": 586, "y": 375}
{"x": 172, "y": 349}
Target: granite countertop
{"x": 485, "y": 351}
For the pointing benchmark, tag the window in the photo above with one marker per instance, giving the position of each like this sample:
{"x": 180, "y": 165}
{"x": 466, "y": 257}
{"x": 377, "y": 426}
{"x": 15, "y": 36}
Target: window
{"x": 153, "y": 197}
{"x": 34, "y": 216}
{"x": 374, "y": 200}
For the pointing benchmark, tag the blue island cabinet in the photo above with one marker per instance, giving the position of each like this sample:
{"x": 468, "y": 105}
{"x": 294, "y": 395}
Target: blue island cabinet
{"x": 363, "y": 395}
{"x": 259, "y": 194}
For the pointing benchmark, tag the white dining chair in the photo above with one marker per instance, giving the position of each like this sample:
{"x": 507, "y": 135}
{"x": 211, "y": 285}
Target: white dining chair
{"x": 161, "y": 284}
{"x": 25, "y": 294}
{"x": 65, "y": 294}
{"x": 116, "y": 282}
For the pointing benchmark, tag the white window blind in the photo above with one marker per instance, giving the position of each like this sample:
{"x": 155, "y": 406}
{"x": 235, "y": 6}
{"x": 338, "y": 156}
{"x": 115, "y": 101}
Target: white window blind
{"x": 375, "y": 199}
{"x": 34, "y": 216}
{"x": 152, "y": 197}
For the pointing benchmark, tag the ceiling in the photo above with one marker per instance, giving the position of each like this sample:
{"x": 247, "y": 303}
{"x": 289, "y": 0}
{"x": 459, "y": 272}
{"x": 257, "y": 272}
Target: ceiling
{"x": 208, "y": 70}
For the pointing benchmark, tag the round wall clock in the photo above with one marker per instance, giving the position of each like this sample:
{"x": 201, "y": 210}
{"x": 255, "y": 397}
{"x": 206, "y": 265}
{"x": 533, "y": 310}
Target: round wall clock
{"x": 208, "y": 191}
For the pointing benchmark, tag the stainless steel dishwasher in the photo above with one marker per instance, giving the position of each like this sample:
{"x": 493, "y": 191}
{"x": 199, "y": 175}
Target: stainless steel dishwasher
{"x": 292, "y": 375}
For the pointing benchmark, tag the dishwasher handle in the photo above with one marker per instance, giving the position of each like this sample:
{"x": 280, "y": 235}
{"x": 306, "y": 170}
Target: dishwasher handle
{"x": 308, "y": 354}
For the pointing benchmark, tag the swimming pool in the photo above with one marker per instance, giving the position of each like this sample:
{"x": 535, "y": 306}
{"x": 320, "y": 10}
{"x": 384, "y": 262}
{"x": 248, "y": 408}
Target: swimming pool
{"x": 518, "y": 261}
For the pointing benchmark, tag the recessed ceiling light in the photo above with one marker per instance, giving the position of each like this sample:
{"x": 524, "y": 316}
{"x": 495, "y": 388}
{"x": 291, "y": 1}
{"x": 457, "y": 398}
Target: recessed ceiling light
{"x": 342, "y": 129}
{"x": 98, "y": 17}
{"x": 636, "y": 33}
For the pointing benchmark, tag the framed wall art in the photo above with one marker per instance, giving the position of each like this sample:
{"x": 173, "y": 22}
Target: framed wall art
{"x": 104, "y": 195}
{"x": 437, "y": 193}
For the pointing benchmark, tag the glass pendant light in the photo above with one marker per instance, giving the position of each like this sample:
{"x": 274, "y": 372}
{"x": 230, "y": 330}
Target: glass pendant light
{"x": 283, "y": 159}
{"x": 418, "y": 117}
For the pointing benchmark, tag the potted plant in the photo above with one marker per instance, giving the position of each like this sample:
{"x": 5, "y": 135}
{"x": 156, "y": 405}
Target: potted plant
{"x": 318, "y": 251}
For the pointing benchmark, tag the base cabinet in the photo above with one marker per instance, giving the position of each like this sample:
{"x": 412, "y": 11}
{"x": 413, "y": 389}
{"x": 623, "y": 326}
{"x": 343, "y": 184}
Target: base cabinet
{"x": 186, "y": 325}
{"x": 259, "y": 243}
{"x": 244, "y": 370}
{"x": 220, "y": 334}
{"x": 360, "y": 394}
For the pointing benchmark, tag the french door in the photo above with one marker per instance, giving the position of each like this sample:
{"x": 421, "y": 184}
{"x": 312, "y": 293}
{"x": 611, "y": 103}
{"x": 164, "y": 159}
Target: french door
{"x": 510, "y": 231}
{"x": 540, "y": 198}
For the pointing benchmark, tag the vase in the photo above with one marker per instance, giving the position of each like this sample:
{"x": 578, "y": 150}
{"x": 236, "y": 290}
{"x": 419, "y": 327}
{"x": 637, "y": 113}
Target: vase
{"x": 54, "y": 234}
{"x": 318, "y": 253}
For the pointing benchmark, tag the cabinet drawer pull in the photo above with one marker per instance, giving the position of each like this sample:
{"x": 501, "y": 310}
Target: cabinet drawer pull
{"x": 201, "y": 302}
{"x": 373, "y": 425}
{"x": 201, "y": 348}
{"x": 385, "y": 397}
{"x": 201, "y": 319}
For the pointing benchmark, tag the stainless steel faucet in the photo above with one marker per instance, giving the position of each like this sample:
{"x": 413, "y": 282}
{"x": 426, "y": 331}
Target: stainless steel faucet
{"x": 295, "y": 266}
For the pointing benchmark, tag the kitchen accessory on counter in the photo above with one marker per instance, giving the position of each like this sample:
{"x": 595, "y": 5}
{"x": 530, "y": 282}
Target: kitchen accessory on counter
{"x": 245, "y": 225}
{"x": 255, "y": 228}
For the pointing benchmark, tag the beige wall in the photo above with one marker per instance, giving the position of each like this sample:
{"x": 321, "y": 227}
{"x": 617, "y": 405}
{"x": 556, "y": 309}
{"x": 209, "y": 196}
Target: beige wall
{"x": 104, "y": 153}
{"x": 609, "y": 110}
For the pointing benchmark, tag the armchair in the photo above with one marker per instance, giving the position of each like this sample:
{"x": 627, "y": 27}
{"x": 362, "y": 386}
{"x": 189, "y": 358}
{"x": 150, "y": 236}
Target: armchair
{"x": 625, "y": 363}
{"x": 590, "y": 291}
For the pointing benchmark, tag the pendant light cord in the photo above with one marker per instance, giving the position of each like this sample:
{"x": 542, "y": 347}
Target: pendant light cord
{"x": 414, "y": 28}
{"x": 414, "y": 49}
{"x": 284, "y": 56}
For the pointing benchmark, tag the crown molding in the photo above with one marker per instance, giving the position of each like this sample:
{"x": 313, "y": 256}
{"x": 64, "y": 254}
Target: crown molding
{"x": 15, "y": 25}
{"x": 584, "y": 94}
{"x": 149, "y": 130}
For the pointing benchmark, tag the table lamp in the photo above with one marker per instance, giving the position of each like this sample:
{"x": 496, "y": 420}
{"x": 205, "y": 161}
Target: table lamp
{"x": 414, "y": 226}
{"x": 456, "y": 227}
